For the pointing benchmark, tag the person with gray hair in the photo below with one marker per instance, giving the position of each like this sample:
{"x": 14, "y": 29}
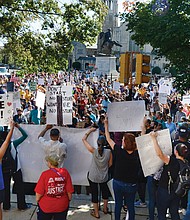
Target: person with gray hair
{"x": 53, "y": 190}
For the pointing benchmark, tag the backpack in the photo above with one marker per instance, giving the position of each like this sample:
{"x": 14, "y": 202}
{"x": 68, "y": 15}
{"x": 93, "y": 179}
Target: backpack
{"x": 8, "y": 163}
{"x": 182, "y": 183}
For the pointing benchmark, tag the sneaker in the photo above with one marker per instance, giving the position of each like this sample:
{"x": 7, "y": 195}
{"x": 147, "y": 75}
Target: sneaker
{"x": 140, "y": 204}
{"x": 168, "y": 214}
{"x": 183, "y": 211}
{"x": 26, "y": 208}
{"x": 125, "y": 208}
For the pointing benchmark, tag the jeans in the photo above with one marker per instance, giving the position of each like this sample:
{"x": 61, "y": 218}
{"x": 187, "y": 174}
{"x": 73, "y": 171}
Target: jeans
{"x": 165, "y": 201}
{"x": 152, "y": 190}
{"x": 125, "y": 191}
{"x": 187, "y": 216}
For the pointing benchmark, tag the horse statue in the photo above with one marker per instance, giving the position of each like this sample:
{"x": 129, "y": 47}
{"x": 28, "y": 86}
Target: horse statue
{"x": 105, "y": 42}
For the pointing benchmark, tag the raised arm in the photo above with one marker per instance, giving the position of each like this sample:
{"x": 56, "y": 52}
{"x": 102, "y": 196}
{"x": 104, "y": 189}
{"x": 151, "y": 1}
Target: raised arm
{"x": 108, "y": 138}
{"x": 22, "y": 138}
{"x": 165, "y": 158}
{"x": 7, "y": 140}
{"x": 45, "y": 130}
{"x": 110, "y": 160}
{"x": 143, "y": 127}
{"x": 84, "y": 139}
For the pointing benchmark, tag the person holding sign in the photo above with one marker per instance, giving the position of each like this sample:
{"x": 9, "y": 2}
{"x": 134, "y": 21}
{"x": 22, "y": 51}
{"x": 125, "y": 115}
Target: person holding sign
{"x": 98, "y": 172}
{"x": 126, "y": 171}
{"x": 2, "y": 152}
{"x": 166, "y": 197}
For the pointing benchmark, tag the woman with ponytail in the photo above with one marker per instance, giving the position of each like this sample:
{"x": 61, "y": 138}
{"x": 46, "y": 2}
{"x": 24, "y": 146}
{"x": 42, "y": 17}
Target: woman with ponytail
{"x": 166, "y": 193}
{"x": 98, "y": 172}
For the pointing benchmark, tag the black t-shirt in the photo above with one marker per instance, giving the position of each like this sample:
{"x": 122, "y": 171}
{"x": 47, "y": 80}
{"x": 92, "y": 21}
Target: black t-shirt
{"x": 126, "y": 165}
{"x": 187, "y": 143}
{"x": 174, "y": 168}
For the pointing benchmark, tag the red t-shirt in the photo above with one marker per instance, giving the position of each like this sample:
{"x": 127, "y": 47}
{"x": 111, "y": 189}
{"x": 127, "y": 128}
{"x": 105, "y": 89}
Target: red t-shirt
{"x": 54, "y": 188}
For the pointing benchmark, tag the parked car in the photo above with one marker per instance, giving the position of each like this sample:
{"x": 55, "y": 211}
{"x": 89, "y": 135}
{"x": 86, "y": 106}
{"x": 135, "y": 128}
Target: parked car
{"x": 3, "y": 72}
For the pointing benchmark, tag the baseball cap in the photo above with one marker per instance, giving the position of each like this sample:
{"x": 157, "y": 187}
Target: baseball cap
{"x": 183, "y": 131}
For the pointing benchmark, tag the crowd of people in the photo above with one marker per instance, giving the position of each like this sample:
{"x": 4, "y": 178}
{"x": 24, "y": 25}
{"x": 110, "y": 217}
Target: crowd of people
{"x": 116, "y": 156}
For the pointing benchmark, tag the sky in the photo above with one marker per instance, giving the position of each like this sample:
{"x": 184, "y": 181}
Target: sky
{"x": 120, "y": 9}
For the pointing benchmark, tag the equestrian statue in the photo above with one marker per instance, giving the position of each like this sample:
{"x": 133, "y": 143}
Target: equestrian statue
{"x": 105, "y": 42}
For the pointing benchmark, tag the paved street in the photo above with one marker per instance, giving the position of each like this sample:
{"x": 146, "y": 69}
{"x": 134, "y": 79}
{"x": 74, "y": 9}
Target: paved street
{"x": 79, "y": 209}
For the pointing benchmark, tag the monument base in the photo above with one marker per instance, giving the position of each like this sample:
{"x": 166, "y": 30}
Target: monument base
{"x": 106, "y": 66}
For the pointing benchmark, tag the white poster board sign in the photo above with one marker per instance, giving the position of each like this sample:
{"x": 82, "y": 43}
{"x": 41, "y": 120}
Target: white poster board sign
{"x": 150, "y": 162}
{"x": 78, "y": 157}
{"x": 41, "y": 81}
{"x": 162, "y": 97}
{"x": 126, "y": 116}
{"x": 186, "y": 99}
{"x": 6, "y": 108}
{"x": 165, "y": 89}
{"x": 116, "y": 86}
{"x": 59, "y": 105}
{"x": 16, "y": 100}
{"x": 95, "y": 79}
{"x": 40, "y": 99}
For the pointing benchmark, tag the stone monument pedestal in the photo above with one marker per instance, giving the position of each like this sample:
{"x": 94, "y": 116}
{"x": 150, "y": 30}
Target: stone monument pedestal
{"x": 106, "y": 66}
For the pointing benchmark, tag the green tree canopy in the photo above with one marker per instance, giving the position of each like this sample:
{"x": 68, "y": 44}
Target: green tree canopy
{"x": 165, "y": 24}
{"x": 48, "y": 47}
{"x": 156, "y": 70}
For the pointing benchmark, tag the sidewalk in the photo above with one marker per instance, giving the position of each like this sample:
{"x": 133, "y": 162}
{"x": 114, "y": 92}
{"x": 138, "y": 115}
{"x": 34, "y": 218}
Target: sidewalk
{"x": 79, "y": 209}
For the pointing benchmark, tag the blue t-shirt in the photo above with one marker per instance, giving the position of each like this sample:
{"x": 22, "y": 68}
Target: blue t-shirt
{"x": 171, "y": 127}
{"x": 1, "y": 178}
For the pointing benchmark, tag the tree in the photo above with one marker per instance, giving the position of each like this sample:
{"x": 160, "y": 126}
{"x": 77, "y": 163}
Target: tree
{"x": 165, "y": 24}
{"x": 49, "y": 47}
{"x": 77, "y": 65}
{"x": 156, "y": 70}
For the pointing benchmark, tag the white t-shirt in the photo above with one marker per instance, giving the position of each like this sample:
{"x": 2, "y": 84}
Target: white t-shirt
{"x": 55, "y": 147}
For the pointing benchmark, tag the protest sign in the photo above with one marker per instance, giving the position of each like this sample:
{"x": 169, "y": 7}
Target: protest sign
{"x": 6, "y": 108}
{"x": 165, "y": 89}
{"x": 41, "y": 81}
{"x": 95, "y": 79}
{"x": 162, "y": 97}
{"x": 33, "y": 86}
{"x": 126, "y": 116}
{"x": 59, "y": 105}
{"x": 40, "y": 99}
{"x": 50, "y": 81}
{"x": 32, "y": 155}
{"x": 10, "y": 86}
{"x": 150, "y": 162}
{"x": 186, "y": 99}
{"x": 16, "y": 100}
{"x": 116, "y": 86}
